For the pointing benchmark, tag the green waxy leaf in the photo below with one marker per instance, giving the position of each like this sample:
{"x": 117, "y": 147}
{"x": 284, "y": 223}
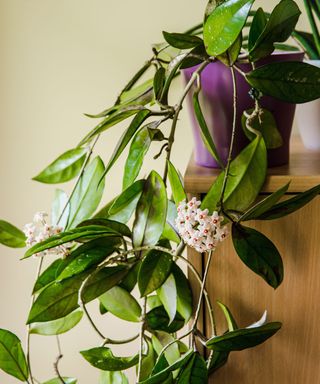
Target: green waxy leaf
{"x": 181, "y": 40}
{"x": 113, "y": 119}
{"x": 171, "y": 354}
{"x": 60, "y": 209}
{"x": 224, "y": 25}
{"x": 265, "y": 124}
{"x": 12, "y": 358}
{"x": 56, "y": 327}
{"x": 259, "y": 22}
{"x": 278, "y": 28}
{"x": 232, "y": 325}
{"x": 127, "y": 136}
{"x": 64, "y": 168}
{"x": 258, "y": 253}
{"x": 86, "y": 256}
{"x": 89, "y": 232}
{"x": 113, "y": 377}
{"x": 11, "y": 236}
{"x": 264, "y": 205}
{"x": 151, "y": 212}
{"x": 67, "y": 380}
{"x": 204, "y": 130}
{"x": 184, "y": 293}
{"x": 243, "y": 338}
{"x": 194, "y": 372}
{"x": 231, "y": 55}
{"x": 103, "y": 358}
{"x": 121, "y": 303}
{"x": 289, "y": 206}
{"x": 157, "y": 319}
{"x": 148, "y": 361}
{"x": 158, "y": 82}
{"x": 125, "y": 204}
{"x": 293, "y": 82}
{"x": 168, "y": 296}
{"x": 154, "y": 270}
{"x": 47, "y": 276}
{"x": 87, "y": 194}
{"x": 170, "y": 231}
{"x": 218, "y": 360}
{"x": 178, "y": 191}
{"x": 246, "y": 178}
{"x": 138, "y": 149}
{"x": 195, "y": 57}
{"x": 111, "y": 225}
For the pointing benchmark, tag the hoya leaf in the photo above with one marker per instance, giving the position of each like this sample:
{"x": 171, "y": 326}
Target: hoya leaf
{"x": 264, "y": 205}
{"x": 111, "y": 225}
{"x": 293, "y": 82}
{"x": 291, "y": 205}
{"x": 168, "y": 296}
{"x": 154, "y": 270}
{"x": 64, "y": 168}
{"x": 12, "y": 358}
{"x": 158, "y": 320}
{"x": 232, "y": 325}
{"x": 151, "y": 212}
{"x": 87, "y": 194}
{"x": 259, "y": 22}
{"x": 218, "y": 359}
{"x": 11, "y": 236}
{"x": 178, "y": 191}
{"x": 148, "y": 361}
{"x": 126, "y": 137}
{"x": 194, "y": 372}
{"x": 89, "y": 232}
{"x": 278, "y": 28}
{"x": 171, "y": 354}
{"x": 258, "y": 253}
{"x": 184, "y": 293}
{"x": 67, "y": 380}
{"x": 47, "y": 276}
{"x": 243, "y": 338}
{"x": 113, "y": 377}
{"x": 307, "y": 41}
{"x": 204, "y": 130}
{"x": 56, "y": 327}
{"x": 121, "y": 303}
{"x": 158, "y": 82}
{"x": 181, "y": 40}
{"x": 103, "y": 358}
{"x": 60, "y": 209}
{"x": 246, "y": 178}
{"x": 231, "y": 55}
{"x": 265, "y": 123}
{"x": 223, "y": 26}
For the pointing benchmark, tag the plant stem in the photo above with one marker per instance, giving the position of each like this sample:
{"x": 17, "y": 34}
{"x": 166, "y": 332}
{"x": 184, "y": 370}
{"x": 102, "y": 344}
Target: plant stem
{"x": 226, "y": 175}
{"x": 56, "y": 368}
{"x": 28, "y": 326}
{"x": 144, "y": 311}
{"x": 178, "y": 108}
{"x": 313, "y": 24}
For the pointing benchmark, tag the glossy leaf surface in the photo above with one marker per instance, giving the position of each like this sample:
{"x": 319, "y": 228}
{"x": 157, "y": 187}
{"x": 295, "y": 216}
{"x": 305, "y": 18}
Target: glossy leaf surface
{"x": 293, "y": 82}
{"x": 184, "y": 293}
{"x": 154, "y": 270}
{"x": 177, "y": 188}
{"x": 47, "y": 276}
{"x": 243, "y": 338}
{"x": 56, "y": 327}
{"x": 87, "y": 194}
{"x": 258, "y": 24}
{"x": 113, "y": 377}
{"x": 168, "y": 296}
{"x": 224, "y": 25}
{"x": 158, "y": 319}
{"x": 278, "y": 28}
{"x": 246, "y": 177}
{"x": 194, "y": 372}
{"x": 182, "y": 40}
{"x": 103, "y": 358}
{"x": 11, "y": 236}
{"x": 64, "y": 168}
{"x": 121, "y": 303}
{"x": 258, "y": 253}
{"x": 12, "y": 358}
{"x": 151, "y": 212}
{"x": 60, "y": 214}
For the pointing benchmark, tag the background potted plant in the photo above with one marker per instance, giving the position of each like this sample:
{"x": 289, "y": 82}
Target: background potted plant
{"x": 309, "y": 129}
{"x": 98, "y": 255}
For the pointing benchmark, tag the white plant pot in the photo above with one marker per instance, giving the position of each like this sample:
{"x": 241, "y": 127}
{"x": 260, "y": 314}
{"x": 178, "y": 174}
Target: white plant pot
{"x": 308, "y": 119}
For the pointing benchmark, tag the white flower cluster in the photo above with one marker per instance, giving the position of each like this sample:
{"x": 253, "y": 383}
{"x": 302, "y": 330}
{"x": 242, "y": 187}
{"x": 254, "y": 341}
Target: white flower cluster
{"x": 40, "y": 230}
{"x": 199, "y": 229}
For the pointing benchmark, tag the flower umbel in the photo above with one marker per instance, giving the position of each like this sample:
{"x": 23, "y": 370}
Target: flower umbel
{"x": 199, "y": 229}
{"x": 39, "y": 230}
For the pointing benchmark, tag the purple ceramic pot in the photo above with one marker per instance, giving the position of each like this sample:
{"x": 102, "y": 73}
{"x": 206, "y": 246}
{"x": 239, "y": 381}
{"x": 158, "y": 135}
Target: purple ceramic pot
{"x": 217, "y": 106}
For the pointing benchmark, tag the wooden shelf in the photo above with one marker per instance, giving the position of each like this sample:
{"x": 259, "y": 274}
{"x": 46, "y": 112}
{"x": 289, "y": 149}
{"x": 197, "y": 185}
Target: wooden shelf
{"x": 303, "y": 172}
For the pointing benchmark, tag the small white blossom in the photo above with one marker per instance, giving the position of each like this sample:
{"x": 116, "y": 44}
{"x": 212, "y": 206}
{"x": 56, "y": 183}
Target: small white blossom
{"x": 197, "y": 228}
{"x": 39, "y": 230}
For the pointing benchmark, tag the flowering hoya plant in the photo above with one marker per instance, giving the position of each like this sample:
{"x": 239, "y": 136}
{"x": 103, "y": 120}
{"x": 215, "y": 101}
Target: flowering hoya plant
{"x": 128, "y": 256}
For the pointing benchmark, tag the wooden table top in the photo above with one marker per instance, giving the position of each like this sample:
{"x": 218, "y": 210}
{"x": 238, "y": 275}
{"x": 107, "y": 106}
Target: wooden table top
{"x": 303, "y": 172}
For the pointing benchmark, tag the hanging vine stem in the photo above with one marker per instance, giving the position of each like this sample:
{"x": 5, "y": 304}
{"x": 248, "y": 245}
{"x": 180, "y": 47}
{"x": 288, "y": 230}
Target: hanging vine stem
{"x": 56, "y": 369}
{"x": 178, "y": 108}
{"x": 28, "y": 326}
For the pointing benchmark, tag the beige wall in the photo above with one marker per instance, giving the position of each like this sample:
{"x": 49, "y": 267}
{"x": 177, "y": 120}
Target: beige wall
{"x": 58, "y": 60}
